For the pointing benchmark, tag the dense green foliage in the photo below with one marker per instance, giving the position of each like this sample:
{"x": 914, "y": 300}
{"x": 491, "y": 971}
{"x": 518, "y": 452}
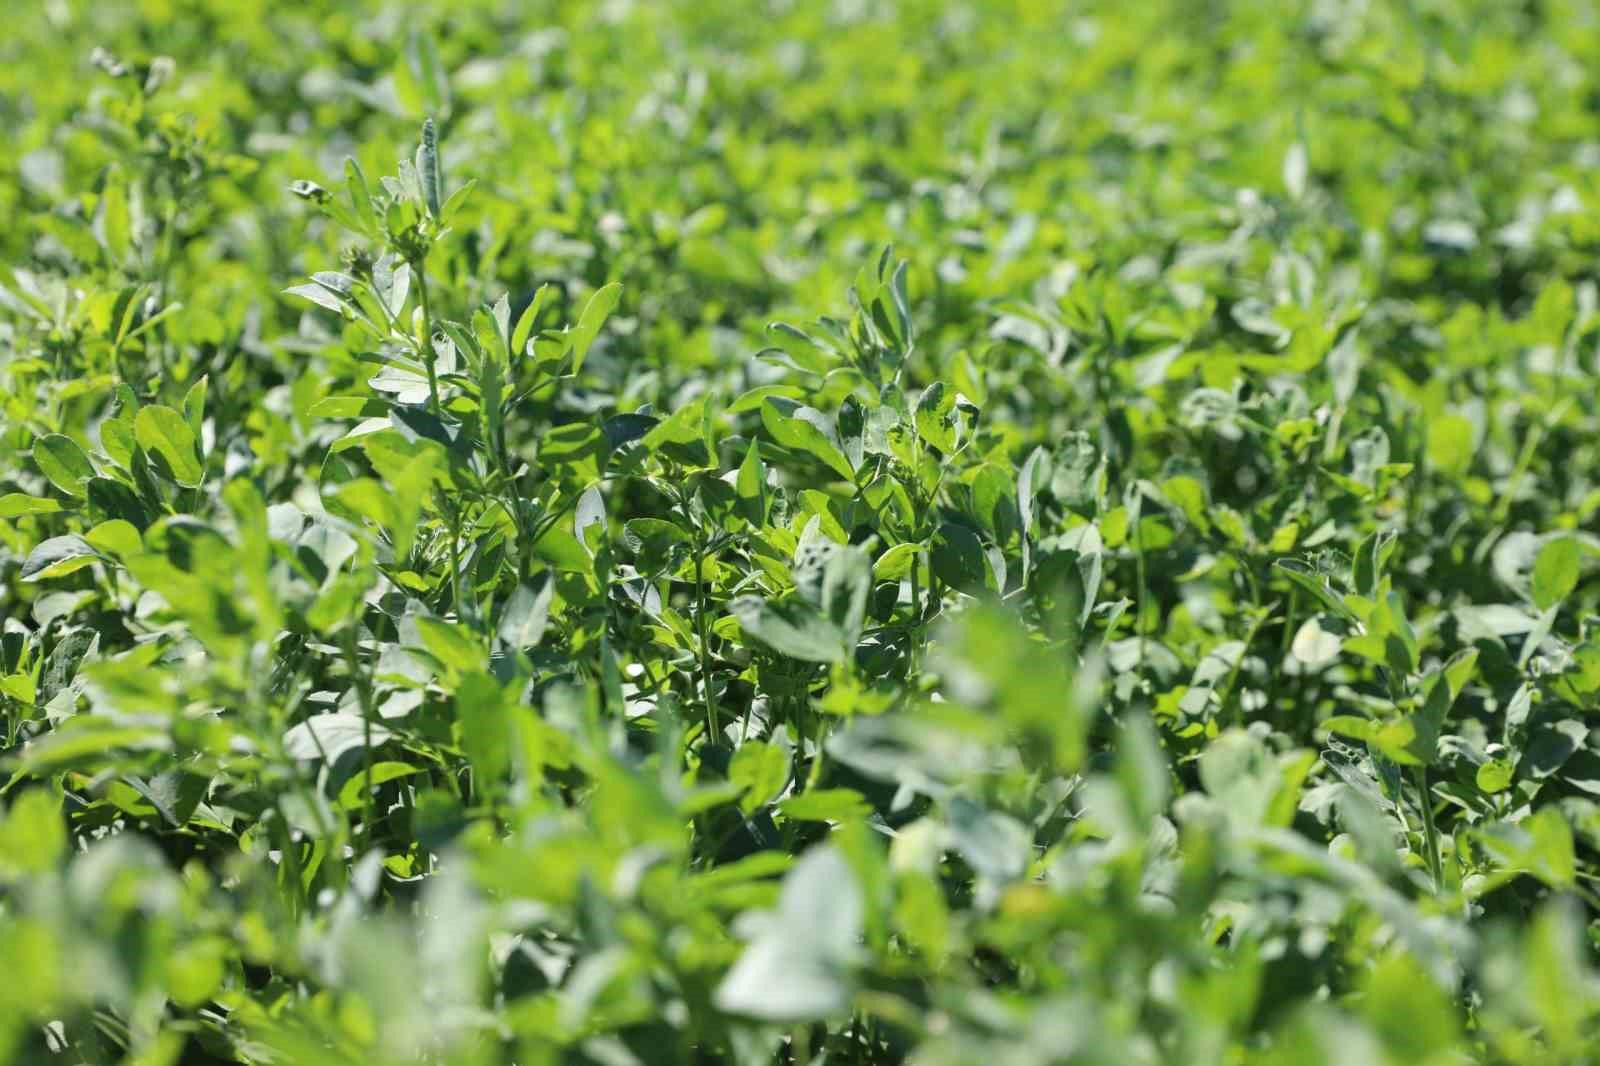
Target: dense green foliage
{"x": 797, "y": 532}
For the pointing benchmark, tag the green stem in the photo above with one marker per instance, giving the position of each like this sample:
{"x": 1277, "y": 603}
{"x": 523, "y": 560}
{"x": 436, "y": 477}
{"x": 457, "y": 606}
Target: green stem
{"x": 1143, "y": 592}
{"x": 705, "y": 644}
{"x": 1430, "y": 831}
{"x": 455, "y": 561}
{"x": 815, "y": 774}
{"x": 364, "y": 696}
{"x": 163, "y": 278}
{"x": 917, "y": 614}
{"x": 1233, "y": 673}
{"x": 800, "y": 1045}
{"x": 429, "y": 357}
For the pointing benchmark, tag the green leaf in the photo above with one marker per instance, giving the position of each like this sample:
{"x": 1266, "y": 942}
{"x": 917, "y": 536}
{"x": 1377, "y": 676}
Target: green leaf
{"x": 846, "y": 584}
{"x": 1393, "y": 739}
{"x": 115, "y": 537}
{"x": 82, "y": 742}
{"x": 58, "y": 557}
{"x": 652, "y": 541}
{"x": 760, "y": 770}
{"x": 1495, "y": 775}
{"x": 1318, "y": 640}
{"x": 807, "y": 430}
{"x": 895, "y": 563}
{"x": 1316, "y": 584}
{"x": 1372, "y": 559}
{"x": 483, "y": 714}
{"x": 561, "y": 550}
{"x": 752, "y": 486}
{"x": 595, "y": 313}
{"x": 1556, "y": 571}
{"x": 958, "y": 559}
{"x": 165, "y": 435}
{"x": 1450, "y": 447}
{"x": 348, "y": 407}
{"x": 352, "y": 794}
{"x": 1540, "y": 845}
{"x": 360, "y": 197}
{"x": 826, "y": 805}
{"x": 18, "y": 505}
{"x": 800, "y": 966}
{"x": 526, "y": 320}
{"x": 996, "y": 846}
{"x": 791, "y": 628}
{"x": 935, "y": 417}
{"x": 454, "y": 646}
{"x": 526, "y": 614}
{"x": 63, "y": 463}
{"x": 1581, "y": 680}
{"x": 428, "y": 167}
{"x": 328, "y": 736}
{"x": 33, "y": 834}
{"x": 325, "y": 298}
{"x": 194, "y": 404}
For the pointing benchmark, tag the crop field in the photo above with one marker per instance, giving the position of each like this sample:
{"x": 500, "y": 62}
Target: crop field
{"x": 800, "y": 532}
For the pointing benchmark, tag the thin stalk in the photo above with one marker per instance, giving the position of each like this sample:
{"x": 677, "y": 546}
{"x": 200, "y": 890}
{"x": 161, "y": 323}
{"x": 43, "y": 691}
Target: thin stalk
{"x": 364, "y": 697}
{"x": 1144, "y": 593}
{"x": 1286, "y": 646}
{"x": 1430, "y": 831}
{"x": 1233, "y": 673}
{"x": 1530, "y": 448}
{"x": 815, "y": 774}
{"x": 163, "y": 278}
{"x": 455, "y": 561}
{"x": 429, "y": 357}
{"x": 917, "y": 614}
{"x": 705, "y": 645}
{"x": 800, "y": 1045}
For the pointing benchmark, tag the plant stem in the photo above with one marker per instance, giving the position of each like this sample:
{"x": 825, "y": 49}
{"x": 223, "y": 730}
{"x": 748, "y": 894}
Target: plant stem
{"x": 1233, "y": 673}
{"x": 429, "y": 357}
{"x": 364, "y": 696}
{"x": 705, "y": 644}
{"x": 455, "y": 561}
{"x": 1430, "y": 831}
{"x": 914, "y": 644}
{"x": 1144, "y": 595}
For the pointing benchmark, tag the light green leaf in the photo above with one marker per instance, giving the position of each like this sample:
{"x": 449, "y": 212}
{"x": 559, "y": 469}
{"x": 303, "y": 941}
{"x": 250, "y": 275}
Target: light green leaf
{"x": 595, "y": 313}
{"x": 1556, "y": 571}
{"x": 18, "y": 504}
{"x": 1318, "y": 640}
{"x": 935, "y": 419}
{"x": 791, "y": 628}
{"x": 1450, "y": 447}
{"x": 428, "y": 167}
{"x": 165, "y": 435}
{"x": 1495, "y": 775}
{"x": 454, "y": 646}
{"x": 328, "y": 736}
{"x": 826, "y": 805}
{"x": 526, "y": 613}
{"x": 352, "y": 792}
{"x": 760, "y": 770}
{"x": 525, "y": 321}
{"x": 58, "y": 557}
{"x": 484, "y": 724}
{"x": 807, "y": 430}
{"x": 63, "y": 463}
{"x": 801, "y": 964}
